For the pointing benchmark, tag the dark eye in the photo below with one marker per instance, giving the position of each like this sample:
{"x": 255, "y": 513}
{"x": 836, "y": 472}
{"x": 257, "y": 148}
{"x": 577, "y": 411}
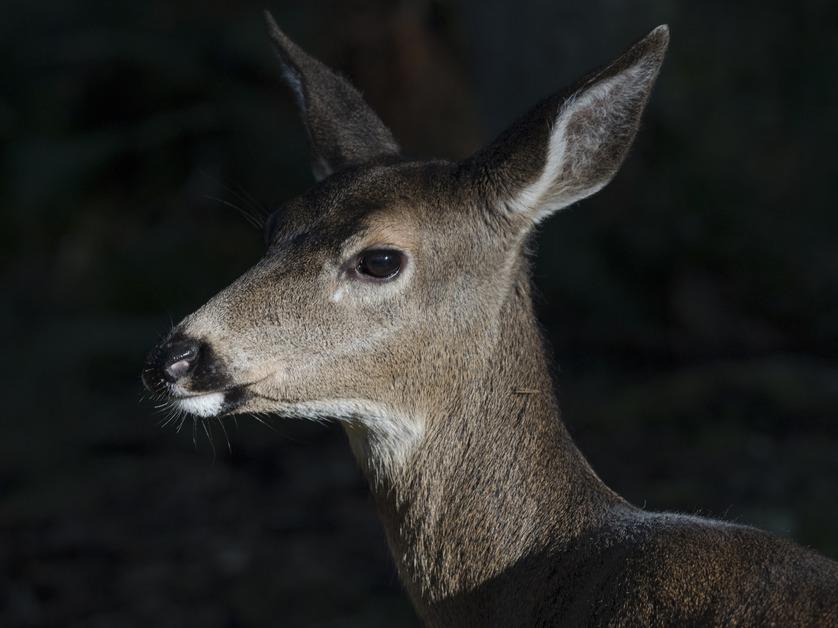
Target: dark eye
{"x": 379, "y": 264}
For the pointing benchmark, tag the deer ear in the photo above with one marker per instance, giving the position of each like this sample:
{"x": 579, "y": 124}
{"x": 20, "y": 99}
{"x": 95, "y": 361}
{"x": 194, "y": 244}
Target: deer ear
{"x": 573, "y": 143}
{"x": 341, "y": 127}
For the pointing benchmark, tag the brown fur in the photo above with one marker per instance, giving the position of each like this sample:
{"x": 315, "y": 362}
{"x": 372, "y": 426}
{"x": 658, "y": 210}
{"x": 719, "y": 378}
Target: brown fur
{"x": 441, "y": 380}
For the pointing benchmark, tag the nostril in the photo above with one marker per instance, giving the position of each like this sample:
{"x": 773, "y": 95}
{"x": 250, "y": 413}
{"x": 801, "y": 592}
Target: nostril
{"x": 178, "y": 370}
{"x": 182, "y": 359}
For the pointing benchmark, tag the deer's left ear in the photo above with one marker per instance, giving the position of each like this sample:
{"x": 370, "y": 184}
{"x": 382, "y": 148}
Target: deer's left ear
{"x": 572, "y": 143}
{"x": 342, "y": 129}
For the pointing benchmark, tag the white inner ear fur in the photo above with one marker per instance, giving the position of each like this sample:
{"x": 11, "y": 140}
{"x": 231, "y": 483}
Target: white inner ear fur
{"x": 606, "y": 104}
{"x": 292, "y": 79}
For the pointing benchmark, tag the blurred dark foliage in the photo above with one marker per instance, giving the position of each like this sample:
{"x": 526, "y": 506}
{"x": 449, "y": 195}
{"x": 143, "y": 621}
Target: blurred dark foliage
{"x": 692, "y": 305}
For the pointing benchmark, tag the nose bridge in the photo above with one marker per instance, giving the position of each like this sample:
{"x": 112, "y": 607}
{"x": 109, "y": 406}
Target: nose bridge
{"x": 229, "y": 318}
{"x": 229, "y": 311}
{"x": 203, "y": 348}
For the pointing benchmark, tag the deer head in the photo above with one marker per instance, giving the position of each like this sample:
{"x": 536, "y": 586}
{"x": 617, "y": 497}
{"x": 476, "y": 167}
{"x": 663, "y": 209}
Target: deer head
{"x": 383, "y": 287}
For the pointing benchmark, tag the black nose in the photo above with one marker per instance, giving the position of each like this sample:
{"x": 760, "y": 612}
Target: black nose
{"x": 180, "y": 361}
{"x": 171, "y": 361}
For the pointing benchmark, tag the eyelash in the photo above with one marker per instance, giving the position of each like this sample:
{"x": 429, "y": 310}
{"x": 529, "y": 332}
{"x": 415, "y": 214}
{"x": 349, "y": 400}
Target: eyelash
{"x": 269, "y": 228}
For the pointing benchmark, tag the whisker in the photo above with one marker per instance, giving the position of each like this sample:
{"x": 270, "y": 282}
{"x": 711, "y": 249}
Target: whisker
{"x": 261, "y": 212}
{"x": 262, "y": 421}
{"x": 226, "y": 437}
{"x": 244, "y": 214}
{"x": 173, "y": 415}
{"x": 207, "y": 431}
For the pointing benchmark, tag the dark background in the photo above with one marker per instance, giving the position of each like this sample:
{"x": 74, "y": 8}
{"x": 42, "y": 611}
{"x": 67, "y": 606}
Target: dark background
{"x": 692, "y": 305}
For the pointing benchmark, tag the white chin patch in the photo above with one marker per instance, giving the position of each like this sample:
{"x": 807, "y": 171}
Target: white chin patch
{"x": 202, "y": 405}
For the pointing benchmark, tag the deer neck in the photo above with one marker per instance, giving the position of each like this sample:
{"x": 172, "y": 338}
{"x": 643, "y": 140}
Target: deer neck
{"x": 495, "y": 476}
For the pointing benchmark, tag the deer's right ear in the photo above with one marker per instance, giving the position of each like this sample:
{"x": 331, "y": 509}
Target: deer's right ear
{"x": 342, "y": 129}
{"x": 571, "y": 144}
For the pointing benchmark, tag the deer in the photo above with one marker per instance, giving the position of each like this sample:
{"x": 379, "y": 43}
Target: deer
{"x": 395, "y": 298}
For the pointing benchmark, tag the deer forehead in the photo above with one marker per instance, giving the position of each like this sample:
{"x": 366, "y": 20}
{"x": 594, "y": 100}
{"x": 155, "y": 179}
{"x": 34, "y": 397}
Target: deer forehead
{"x": 396, "y": 227}
{"x": 405, "y": 205}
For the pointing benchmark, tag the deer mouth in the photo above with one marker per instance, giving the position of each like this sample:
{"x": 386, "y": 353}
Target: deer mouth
{"x": 211, "y": 404}
{"x": 206, "y": 405}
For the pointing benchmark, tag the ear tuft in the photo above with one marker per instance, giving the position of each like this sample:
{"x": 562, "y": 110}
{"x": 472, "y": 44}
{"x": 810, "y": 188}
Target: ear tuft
{"x": 342, "y": 129}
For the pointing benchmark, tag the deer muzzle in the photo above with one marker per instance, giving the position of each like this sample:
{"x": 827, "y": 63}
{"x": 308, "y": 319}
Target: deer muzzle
{"x": 187, "y": 372}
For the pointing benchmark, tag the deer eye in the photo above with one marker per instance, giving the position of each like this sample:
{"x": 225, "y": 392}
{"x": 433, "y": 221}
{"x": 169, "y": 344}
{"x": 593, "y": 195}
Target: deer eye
{"x": 379, "y": 264}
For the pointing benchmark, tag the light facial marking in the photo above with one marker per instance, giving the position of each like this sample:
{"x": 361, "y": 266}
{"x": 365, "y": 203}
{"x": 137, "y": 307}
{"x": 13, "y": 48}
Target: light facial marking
{"x": 391, "y": 436}
{"x": 206, "y": 406}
